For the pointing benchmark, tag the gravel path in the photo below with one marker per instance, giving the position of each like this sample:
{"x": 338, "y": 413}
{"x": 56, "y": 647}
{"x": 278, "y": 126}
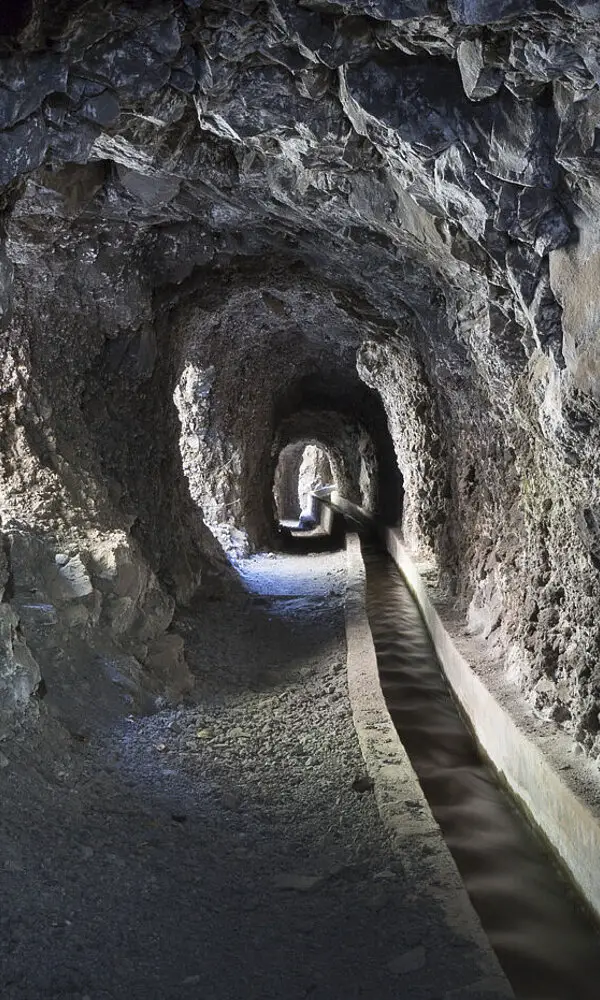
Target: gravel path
{"x": 224, "y": 849}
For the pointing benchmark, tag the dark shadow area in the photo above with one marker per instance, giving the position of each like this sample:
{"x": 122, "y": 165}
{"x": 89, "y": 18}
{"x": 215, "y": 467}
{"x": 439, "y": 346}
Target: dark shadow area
{"x": 14, "y": 16}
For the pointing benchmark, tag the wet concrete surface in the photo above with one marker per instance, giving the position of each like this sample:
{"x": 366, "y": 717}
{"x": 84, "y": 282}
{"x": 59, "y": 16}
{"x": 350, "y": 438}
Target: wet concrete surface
{"x": 546, "y": 942}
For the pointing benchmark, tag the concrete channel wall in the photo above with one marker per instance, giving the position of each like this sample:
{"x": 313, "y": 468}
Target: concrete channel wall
{"x": 416, "y": 837}
{"x": 570, "y": 826}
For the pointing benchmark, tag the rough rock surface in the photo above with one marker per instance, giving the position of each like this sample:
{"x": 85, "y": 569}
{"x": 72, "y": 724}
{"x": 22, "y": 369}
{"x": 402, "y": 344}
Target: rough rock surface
{"x": 251, "y": 193}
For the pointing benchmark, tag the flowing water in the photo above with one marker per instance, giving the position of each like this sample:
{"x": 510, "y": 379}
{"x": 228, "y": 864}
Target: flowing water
{"x": 547, "y": 944}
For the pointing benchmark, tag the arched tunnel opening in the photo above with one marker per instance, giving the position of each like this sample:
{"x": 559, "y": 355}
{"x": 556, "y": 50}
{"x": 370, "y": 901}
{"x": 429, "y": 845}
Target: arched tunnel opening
{"x": 278, "y": 269}
{"x": 301, "y": 468}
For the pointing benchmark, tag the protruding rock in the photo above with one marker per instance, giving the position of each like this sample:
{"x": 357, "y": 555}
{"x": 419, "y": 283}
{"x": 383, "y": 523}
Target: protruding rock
{"x": 486, "y": 11}
{"x": 480, "y": 81}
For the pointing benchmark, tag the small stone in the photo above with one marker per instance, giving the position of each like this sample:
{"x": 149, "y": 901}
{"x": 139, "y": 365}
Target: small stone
{"x": 103, "y": 109}
{"x": 300, "y": 883}
{"x": 479, "y": 81}
{"x": 363, "y": 783}
{"x": 496, "y": 986}
{"x": 230, "y": 800}
{"x": 13, "y": 866}
{"x": 386, "y": 875}
{"x": 377, "y": 901}
{"x": 410, "y": 961}
{"x": 4, "y": 761}
{"x": 190, "y": 981}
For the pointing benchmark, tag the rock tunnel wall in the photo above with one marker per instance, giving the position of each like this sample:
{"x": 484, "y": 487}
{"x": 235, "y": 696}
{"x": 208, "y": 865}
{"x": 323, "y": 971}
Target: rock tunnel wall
{"x": 215, "y": 218}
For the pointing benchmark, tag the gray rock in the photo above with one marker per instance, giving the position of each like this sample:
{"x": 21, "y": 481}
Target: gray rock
{"x": 480, "y": 81}
{"x": 103, "y": 109}
{"x": 151, "y": 190}
{"x": 298, "y": 883}
{"x": 19, "y": 671}
{"x": 72, "y": 580}
{"x": 410, "y": 961}
{"x": 22, "y": 148}
{"x": 484, "y": 11}
{"x": 71, "y": 141}
{"x": 422, "y": 109}
{"x": 6, "y": 280}
{"x": 24, "y": 83}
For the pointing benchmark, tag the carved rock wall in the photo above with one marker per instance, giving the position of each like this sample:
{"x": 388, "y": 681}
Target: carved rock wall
{"x": 211, "y": 211}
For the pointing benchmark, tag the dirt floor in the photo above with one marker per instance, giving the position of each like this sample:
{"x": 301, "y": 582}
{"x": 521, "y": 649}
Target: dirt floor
{"x": 228, "y": 848}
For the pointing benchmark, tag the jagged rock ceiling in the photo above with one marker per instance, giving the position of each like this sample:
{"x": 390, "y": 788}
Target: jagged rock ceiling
{"x": 245, "y": 195}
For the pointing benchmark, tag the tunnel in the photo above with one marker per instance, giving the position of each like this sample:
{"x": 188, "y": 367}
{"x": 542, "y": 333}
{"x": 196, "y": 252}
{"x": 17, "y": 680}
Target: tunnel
{"x": 250, "y": 250}
{"x": 301, "y": 468}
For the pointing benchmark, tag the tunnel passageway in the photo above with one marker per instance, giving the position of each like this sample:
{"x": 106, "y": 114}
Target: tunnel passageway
{"x": 548, "y": 946}
{"x": 229, "y": 229}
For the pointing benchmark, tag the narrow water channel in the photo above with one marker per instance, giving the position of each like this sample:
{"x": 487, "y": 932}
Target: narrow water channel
{"x": 547, "y": 944}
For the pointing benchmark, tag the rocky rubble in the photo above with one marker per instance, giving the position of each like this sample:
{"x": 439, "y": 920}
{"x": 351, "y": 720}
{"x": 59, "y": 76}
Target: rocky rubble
{"x": 227, "y": 203}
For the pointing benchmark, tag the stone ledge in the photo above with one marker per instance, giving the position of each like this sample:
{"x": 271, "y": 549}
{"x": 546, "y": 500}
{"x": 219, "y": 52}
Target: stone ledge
{"x": 570, "y": 826}
{"x": 414, "y": 833}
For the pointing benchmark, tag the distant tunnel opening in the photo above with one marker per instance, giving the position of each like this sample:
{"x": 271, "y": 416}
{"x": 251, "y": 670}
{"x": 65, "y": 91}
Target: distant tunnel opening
{"x": 301, "y": 468}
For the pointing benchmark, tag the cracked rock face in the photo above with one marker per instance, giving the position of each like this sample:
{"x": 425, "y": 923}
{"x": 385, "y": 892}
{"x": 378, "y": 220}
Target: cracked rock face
{"x": 227, "y": 227}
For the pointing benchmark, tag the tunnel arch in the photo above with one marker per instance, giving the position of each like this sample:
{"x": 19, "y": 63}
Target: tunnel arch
{"x": 233, "y": 399}
{"x": 364, "y": 467}
{"x": 301, "y": 467}
{"x": 346, "y": 443}
{"x": 450, "y": 230}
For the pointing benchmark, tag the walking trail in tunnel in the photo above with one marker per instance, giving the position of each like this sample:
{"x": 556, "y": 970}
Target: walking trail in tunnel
{"x": 219, "y": 850}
